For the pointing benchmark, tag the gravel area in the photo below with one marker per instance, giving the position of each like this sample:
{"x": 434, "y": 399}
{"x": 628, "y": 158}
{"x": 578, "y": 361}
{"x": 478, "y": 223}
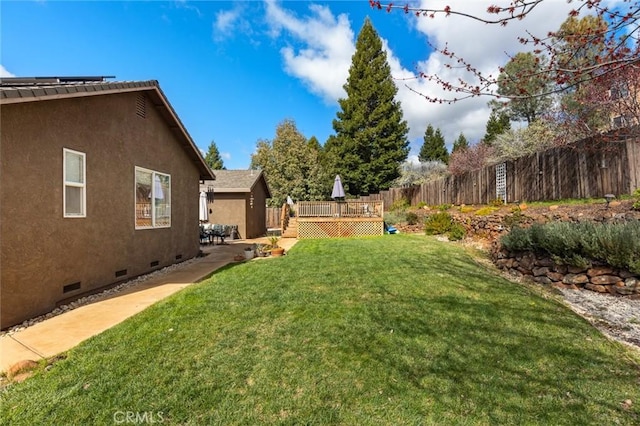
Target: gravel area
{"x": 94, "y": 297}
{"x": 616, "y": 317}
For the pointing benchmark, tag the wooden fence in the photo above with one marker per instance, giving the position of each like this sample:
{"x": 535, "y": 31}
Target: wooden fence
{"x": 274, "y": 217}
{"x": 582, "y": 170}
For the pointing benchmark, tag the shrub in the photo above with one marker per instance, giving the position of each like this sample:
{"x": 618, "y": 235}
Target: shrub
{"x": 636, "y": 195}
{"x": 485, "y": 211}
{"x": 456, "y": 232}
{"x": 421, "y": 204}
{"x": 444, "y": 207}
{"x": 438, "y": 223}
{"x": 617, "y": 244}
{"x": 496, "y": 202}
{"x": 514, "y": 219}
{"x": 518, "y": 239}
{"x": 411, "y": 218}
{"x": 394, "y": 217}
{"x": 466, "y": 209}
{"x": 399, "y": 204}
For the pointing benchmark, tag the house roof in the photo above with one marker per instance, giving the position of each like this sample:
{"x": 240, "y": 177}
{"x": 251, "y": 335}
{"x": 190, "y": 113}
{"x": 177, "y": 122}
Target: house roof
{"x": 34, "y": 89}
{"x": 237, "y": 181}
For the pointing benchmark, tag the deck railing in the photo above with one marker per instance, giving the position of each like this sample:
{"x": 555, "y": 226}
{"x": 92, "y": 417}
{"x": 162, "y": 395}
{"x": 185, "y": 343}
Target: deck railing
{"x": 344, "y": 209}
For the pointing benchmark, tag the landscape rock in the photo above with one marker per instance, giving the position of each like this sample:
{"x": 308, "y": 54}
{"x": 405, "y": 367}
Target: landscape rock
{"x": 599, "y": 270}
{"x": 575, "y": 279}
{"x": 604, "y": 279}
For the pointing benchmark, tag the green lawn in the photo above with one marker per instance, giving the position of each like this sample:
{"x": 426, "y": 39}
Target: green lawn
{"x": 393, "y": 330}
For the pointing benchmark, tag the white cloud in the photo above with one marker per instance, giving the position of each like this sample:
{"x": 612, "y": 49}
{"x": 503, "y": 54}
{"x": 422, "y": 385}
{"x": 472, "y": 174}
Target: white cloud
{"x": 5, "y": 73}
{"x": 323, "y": 64}
{"x": 226, "y": 21}
{"x": 183, "y": 4}
{"x": 485, "y": 46}
{"x": 225, "y": 156}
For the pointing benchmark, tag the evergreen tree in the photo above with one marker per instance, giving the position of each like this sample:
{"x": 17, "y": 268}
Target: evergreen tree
{"x": 290, "y": 164}
{"x": 314, "y": 143}
{"x": 460, "y": 144}
{"x": 433, "y": 147}
{"x": 497, "y": 124}
{"x": 524, "y": 81}
{"x": 213, "y": 159}
{"x": 371, "y": 136}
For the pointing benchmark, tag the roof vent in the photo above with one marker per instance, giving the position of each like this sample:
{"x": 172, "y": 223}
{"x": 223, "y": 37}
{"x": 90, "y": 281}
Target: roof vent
{"x": 141, "y": 106}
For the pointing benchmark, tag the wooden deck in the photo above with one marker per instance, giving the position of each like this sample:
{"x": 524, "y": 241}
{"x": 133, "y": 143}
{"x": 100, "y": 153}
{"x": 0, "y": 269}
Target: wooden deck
{"x": 331, "y": 219}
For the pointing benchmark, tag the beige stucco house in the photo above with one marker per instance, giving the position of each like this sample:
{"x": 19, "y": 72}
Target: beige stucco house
{"x": 99, "y": 184}
{"x": 240, "y": 198}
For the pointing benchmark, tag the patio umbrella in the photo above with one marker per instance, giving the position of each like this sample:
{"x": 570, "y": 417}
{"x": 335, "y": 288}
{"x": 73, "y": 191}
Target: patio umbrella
{"x": 338, "y": 190}
{"x": 204, "y": 208}
{"x": 289, "y": 200}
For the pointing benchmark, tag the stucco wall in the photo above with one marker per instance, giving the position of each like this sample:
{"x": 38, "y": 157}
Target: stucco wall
{"x": 229, "y": 209}
{"x": 40, "y": 251}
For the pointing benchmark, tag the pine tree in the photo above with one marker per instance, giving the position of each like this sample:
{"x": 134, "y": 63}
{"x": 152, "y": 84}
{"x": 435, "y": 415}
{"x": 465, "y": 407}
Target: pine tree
{"x": 213, "y": 158}
{"x": 460, "y": 144}
{"x": 433, "y": 147}
{"x": 371, "y": 136}
{"x": 523, "y": 79}
{"x": 497, "y": 124}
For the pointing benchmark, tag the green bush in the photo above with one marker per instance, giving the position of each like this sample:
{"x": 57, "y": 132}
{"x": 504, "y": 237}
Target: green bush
{"x": 444, "y": 207}
{"x": 394, "y": 217}
{"x": 485, "y": 211}
{"x": 438, "y": 223}
{"x": 421, "y": 204}
{"x": 399, "y": 205}
{"x": 518, "y": 239}
{"x": 636, "y": 195}
{"x": 616, "y": 244}
{"x": 456, "y": 232}
{"x": 411, "y": 218}
{"x": 514, "y": 219}
{"x": 496, "y": 202}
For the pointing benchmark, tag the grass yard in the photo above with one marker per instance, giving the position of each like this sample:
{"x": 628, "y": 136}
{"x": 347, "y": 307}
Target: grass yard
{"x": 393, "y": 330}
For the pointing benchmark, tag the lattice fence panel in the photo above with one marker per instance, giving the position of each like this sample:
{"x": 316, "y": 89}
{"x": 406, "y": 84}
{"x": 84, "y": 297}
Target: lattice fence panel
{"x": 501, "y": 182}
{"x": 333, "y": 229}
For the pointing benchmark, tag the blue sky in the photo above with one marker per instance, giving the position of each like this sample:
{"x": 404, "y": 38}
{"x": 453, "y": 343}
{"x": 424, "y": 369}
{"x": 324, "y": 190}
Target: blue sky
{"x": 234, "y": 70}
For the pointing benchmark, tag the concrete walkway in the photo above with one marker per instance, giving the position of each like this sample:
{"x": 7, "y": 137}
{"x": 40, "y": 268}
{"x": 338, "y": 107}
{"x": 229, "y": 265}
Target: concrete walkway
{"x": 61, "y": 333}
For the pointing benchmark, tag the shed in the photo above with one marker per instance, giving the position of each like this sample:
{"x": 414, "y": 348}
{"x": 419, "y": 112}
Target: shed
{"x": 240, "y": 198}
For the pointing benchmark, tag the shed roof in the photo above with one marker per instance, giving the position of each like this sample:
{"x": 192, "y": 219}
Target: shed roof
{"x": 238, "y": 181}
{"x": 19, "y": 90}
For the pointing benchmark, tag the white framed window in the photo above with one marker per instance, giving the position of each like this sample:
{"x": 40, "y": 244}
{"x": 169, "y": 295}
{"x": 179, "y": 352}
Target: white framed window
{"x": 153, "y": 199}
{"x": 74, "y": 191}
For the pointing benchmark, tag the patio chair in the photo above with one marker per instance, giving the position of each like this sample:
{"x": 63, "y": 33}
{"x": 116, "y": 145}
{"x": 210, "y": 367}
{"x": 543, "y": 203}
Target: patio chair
{"x": 218, "y": 231}
{"x": 205, "y": 235}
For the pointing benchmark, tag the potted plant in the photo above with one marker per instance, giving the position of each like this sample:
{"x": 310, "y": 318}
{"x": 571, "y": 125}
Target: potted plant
{"x": 248, "y": 253}
{"x": 261, "y": 250}
{"x": 275, "y": 249}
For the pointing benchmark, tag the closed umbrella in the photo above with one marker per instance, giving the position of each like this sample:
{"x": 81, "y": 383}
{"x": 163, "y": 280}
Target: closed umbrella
{"x": 338, "y": 190}
{"x": 204, "y": 208}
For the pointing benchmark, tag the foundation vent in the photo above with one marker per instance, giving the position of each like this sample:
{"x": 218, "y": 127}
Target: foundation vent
{"x": 71, "y": 287}
{"x": 141, "y": 106}
{"x": 178, "y": 256}
{"x": 121, "y": 273}
{"x": 154, "y": 263}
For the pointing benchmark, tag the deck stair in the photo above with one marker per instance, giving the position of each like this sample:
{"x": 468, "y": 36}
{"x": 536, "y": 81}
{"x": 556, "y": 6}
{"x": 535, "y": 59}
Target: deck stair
{"x": 291, "y": 231}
